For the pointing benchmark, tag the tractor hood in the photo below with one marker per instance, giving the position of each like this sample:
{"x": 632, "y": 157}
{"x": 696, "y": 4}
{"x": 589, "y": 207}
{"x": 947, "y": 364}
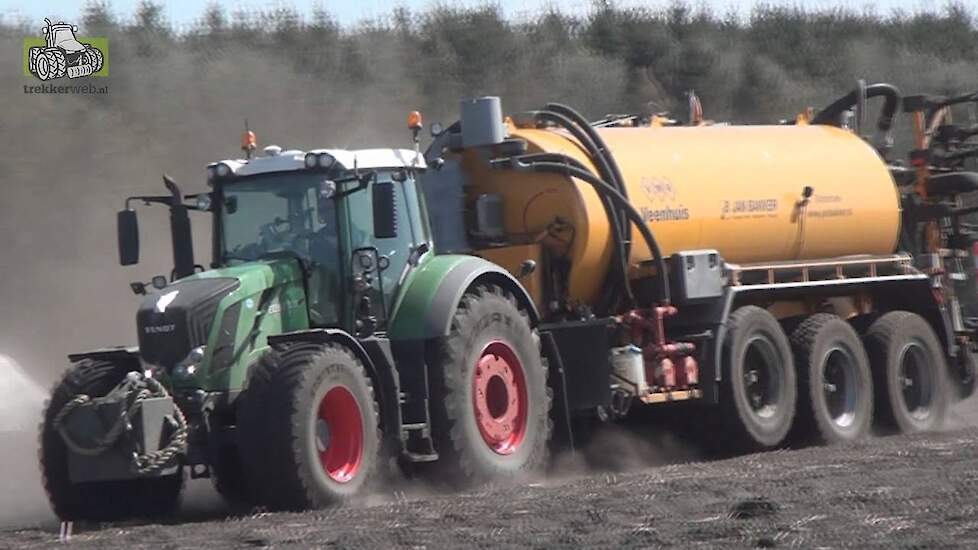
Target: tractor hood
{"x": 182, "y": 316}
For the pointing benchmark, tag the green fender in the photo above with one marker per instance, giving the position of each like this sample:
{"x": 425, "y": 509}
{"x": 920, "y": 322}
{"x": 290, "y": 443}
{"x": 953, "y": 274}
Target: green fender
{"x": 433, "y": 290}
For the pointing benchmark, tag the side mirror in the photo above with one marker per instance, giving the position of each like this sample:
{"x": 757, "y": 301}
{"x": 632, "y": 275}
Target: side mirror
{"x": 128, "y": 229}
{"x": 385, "y": 210}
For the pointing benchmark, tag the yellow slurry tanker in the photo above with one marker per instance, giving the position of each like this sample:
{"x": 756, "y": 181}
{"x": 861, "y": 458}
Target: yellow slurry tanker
{"x": 467, "y": 307}
{"x": 776, "y": 271}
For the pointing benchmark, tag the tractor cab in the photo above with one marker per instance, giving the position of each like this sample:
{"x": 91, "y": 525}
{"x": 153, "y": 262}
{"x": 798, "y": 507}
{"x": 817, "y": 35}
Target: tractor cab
{"x": 62, "y": 35}
{"x": 337, "y": 229}
{"x": 344, "y": 216}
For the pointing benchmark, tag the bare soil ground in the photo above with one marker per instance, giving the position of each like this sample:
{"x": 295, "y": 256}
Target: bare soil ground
{"x": 896, "y": 492}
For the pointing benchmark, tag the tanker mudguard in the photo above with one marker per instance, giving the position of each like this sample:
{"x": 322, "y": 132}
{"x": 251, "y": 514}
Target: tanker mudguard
{"x": 433, "y": 294}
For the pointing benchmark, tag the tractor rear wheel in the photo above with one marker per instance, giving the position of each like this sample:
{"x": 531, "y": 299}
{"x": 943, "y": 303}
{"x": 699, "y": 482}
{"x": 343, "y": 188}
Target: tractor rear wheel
{"x": 910, "y": 373}
{"x": 759, "y": 390}
{"x": 835, "y": 386}
{"x": 490, "y": 398}
{"x": 309, "y": 427}
{"x": 103, "y": 500}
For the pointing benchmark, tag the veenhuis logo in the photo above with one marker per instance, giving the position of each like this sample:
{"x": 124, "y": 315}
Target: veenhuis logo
{"x": 60, "y": 53}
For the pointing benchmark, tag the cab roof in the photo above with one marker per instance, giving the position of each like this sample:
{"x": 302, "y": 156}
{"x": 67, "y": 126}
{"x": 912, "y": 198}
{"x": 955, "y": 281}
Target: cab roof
{"x": 276, "y": 160}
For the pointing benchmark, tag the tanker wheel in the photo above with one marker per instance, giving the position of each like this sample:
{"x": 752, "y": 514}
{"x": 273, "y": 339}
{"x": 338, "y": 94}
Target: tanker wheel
{"x": 835, "y": 385}
{"x": 103, "y": 500}
{"x": 964, "y": 378}
{"x": 309, "y": 428}
{"x": 490, "y": 399}
{"x": 57, "y": 63}
{"x": 909, "y": 373}
{"x": 759, "y": 390}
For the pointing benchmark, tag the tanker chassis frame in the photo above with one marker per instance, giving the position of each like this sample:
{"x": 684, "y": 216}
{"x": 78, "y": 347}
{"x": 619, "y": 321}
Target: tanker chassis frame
{"x": 334, "y": 335}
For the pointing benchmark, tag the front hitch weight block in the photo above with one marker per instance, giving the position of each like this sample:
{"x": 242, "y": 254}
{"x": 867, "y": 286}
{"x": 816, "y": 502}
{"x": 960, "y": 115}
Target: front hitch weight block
{"x": 152, "y": 426}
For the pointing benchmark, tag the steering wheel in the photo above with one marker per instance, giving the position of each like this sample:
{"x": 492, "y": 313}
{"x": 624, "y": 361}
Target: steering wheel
{"x": 271, "y": 237}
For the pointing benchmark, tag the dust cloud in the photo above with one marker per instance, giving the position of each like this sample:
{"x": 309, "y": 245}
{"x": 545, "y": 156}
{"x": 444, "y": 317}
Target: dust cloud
{"x": 21, "y": 401}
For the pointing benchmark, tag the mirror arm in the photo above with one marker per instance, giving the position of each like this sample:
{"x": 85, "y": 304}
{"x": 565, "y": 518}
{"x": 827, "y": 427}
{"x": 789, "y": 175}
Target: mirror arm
{"x": 148, "y": 199}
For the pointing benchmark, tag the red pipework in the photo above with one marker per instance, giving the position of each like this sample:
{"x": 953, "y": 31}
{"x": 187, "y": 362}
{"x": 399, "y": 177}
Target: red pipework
{"x": 669, "y": 365}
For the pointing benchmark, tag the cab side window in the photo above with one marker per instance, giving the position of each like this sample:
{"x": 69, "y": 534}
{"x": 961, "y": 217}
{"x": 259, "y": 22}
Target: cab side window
{"x": 395, "y": 249}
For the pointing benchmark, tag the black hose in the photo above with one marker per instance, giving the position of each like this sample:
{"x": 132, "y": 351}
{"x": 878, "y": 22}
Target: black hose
{"x": 616, "y": 178}
{"x": 619, "y": 223}
{"x": 831, "y": 115}
{"x": 594, "y": 151}
{"x": 603, "y": 188}
{"x": 609, "y": 172}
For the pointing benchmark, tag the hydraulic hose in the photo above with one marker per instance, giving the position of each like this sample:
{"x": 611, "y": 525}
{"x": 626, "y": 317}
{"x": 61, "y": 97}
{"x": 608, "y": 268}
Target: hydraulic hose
{"x": 612, "y": 212}
{"x": 619, "y": 223}
{"x": 602, "y": 150}
{"x": 831, "y": 114}
{"x": 603, "y": 188}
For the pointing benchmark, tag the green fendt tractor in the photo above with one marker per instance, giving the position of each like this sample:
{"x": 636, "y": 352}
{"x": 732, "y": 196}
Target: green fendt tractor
{"x": 300, "y": 364}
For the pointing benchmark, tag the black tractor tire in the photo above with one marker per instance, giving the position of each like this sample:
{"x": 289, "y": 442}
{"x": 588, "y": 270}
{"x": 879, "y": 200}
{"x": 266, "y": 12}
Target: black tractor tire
{"x": 96, "y": 58}
{"x": 56, "y": 62}
{"x": 300, "y": 450}
{"x": 759, "y": 389}
{"x": 835, "y": 384}
{"x": 104, "y": 500}
{"x": 490, "y": 399}
{"x": 229, "y": 480}
{"x": 909, "y": 373}
{"x": 42, "y": 67}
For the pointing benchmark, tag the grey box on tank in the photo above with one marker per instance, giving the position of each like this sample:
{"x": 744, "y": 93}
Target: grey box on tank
{"x": 697, "y": 275}
{"x": 482, "y": 122}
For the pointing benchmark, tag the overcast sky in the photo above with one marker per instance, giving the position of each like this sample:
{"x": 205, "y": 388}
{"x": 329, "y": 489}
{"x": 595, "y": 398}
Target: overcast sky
{"x": 184, "y": 12}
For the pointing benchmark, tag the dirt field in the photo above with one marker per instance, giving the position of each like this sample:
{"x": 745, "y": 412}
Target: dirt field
{"x": 895, "y": 492}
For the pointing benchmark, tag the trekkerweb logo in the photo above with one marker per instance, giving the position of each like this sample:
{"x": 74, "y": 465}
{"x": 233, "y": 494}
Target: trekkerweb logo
{"x": 59, "y": 53}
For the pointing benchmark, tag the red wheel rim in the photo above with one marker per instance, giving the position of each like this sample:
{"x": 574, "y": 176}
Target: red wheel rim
{"x": 339, "y": 434}
{"x": 499, "y": 397}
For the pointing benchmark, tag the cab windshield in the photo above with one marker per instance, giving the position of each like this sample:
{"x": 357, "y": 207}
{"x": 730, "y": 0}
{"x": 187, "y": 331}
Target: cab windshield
{"x": 276, "y": 213}
{"x": 286, "y": 215}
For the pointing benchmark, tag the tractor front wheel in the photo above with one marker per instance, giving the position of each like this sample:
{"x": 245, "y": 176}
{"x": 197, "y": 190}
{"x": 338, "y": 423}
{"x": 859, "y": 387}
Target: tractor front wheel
{"x": 309, "y": 427}
{"x": 491, "y": 403}
{"x": 102, "y": 500}
{"x": 95, "y": 58}
{"x": 51, "y": 64}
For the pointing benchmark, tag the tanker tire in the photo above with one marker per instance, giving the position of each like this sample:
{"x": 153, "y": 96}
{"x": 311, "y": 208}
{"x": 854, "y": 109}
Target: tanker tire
{"x": 835, "y": 384}
{"x": 280, "y": 432}
{"x": 488, "y": 317}
{"x": 908, "y": 363}
{"x": 964, "y": 378}
{"x": 102, "y": 500}
{"x": 753, "y": 420}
